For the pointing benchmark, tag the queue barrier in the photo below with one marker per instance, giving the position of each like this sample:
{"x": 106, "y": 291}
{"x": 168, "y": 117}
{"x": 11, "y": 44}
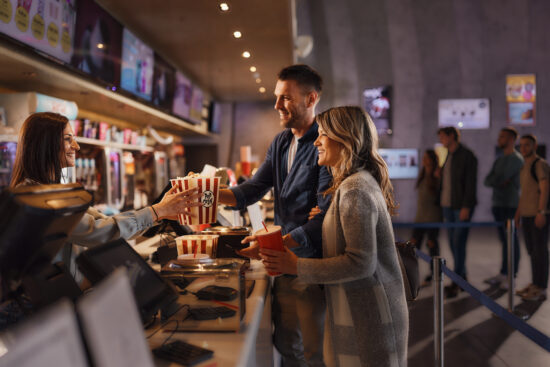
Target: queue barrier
{"x": 440, "y": 268}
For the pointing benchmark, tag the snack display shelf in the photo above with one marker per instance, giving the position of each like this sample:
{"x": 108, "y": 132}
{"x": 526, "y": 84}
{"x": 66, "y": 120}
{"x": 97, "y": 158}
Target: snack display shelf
{"x": 81, "y": 140}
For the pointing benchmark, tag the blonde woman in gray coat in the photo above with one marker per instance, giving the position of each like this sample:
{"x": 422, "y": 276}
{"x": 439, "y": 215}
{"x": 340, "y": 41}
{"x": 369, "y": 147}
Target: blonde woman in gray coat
{"x": 367, "y": 317}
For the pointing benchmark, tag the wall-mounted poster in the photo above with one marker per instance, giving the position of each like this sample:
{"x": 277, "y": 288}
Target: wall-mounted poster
{"x": 464, "y": 113}
{"x": 402, "y": 163}
{"x": 377, "y": 102}
{"x": 45, "y": 25}
{"x": 521, "y": 95}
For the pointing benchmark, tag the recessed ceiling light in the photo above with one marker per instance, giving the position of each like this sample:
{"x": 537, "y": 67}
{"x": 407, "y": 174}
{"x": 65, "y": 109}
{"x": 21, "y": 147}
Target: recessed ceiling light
{"x": 224, "y": 7}
{"x": 246, "y": 54}
{"x": 252, "y": 68}
{"x": 258, "y": 80}
{"x": 262, "y": 90}
{"x": 237, "y": 34}
{"x": 100, "y": 45}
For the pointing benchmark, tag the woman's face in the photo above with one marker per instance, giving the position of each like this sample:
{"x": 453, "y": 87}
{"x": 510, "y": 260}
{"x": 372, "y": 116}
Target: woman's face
{"x": 329, "y": 150}
{"x": 70, "y": 146}
{"x": 426, "y": 161}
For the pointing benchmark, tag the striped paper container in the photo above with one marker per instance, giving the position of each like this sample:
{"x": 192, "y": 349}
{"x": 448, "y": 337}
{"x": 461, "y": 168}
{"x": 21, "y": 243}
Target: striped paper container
{"x": 197, "y": 244}
{"x": 209, "y": 188}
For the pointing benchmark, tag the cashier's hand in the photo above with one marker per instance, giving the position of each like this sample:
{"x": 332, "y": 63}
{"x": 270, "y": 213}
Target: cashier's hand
{"x": 174, "y": 203}
{"x": 280, "y": 262}
{"x": 252, "y": 251}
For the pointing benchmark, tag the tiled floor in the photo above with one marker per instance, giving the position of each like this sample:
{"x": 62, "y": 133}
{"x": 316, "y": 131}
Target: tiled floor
{"x": 473, "y": 336}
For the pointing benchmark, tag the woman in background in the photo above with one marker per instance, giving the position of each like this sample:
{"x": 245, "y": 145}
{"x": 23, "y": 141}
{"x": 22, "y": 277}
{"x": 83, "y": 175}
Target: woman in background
{"x": 367, "y": 316}
{"x": 46, "y": 145}
{"x": 427, "y": 207}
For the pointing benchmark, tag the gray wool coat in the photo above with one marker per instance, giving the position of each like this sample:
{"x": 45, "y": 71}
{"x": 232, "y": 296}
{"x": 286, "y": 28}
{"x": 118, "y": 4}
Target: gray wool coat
{"x": 367, "y": 321}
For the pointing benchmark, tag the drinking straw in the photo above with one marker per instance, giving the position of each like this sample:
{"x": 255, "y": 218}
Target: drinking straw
{"x": 264, "y": 226}
{"x": 195, "y": 250}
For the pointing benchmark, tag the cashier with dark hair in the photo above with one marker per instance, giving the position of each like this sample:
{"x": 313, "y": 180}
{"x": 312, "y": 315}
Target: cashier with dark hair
{"x": 46, "y": 145}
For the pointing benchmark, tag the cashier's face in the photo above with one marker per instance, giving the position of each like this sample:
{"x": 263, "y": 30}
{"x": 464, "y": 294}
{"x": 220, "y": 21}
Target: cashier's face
{"x": 329, "y": 150}
{"x": 70, "y": 147}
{"x": 292, "y": 104}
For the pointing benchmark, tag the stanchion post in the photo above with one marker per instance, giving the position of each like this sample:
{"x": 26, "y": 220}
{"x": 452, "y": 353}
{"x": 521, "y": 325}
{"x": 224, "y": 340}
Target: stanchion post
{"x": 438, "y": 263}
{"x": 510, "y": 229}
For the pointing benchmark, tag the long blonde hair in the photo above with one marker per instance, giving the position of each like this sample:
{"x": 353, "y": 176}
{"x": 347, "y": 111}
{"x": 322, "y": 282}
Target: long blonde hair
{"x": 352, "y": 127}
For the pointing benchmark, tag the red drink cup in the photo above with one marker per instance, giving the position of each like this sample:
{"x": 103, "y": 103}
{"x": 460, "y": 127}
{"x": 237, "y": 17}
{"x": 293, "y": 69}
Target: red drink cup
{"x": 271, "y": 239}
{"x": 246, "y": 168}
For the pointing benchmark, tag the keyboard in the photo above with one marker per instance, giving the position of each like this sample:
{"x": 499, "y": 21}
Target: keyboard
{"x": 211, "y": 313}
{"x": 183, "y": 353}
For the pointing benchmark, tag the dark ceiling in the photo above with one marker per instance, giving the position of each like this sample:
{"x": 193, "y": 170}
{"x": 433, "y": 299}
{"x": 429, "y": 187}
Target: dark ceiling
{"x": 197, "y": 37}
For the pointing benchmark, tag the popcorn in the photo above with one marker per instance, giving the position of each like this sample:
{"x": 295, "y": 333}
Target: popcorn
{"x": 209, "y": 188}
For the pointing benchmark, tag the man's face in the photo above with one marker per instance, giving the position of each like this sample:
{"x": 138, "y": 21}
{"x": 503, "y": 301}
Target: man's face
{"x": 445, "y": 139}
{"x": 292, "y": 104}
{"x": 504, "y": 139}
{"x": 526, "y": 147}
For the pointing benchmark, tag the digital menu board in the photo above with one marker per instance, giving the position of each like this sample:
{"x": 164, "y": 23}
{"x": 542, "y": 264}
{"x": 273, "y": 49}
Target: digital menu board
{"x": 164, "y": 81}
{"x": 195, "y": 114}
{"x": 45, "y": 25}
{"x": 98, "y": 43}
{"x": 402, "y": 163}
{"x": 183, "y": 96}
{"x": 136, "y": 74}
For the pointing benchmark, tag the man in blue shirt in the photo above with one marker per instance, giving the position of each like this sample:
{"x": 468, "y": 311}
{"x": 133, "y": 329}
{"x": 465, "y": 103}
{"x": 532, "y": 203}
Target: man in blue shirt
{"x": 291, "y": 168}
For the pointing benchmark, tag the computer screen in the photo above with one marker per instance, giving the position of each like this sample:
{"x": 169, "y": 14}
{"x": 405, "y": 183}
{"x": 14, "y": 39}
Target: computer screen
{"x": 150, "y": 290}
{"x": 97, "y": 43}
{"x": 35, "y": 222}
{"x": 136, "y": 74}
{"x": 111, "y": 324}
{"x": 49, "y": 338}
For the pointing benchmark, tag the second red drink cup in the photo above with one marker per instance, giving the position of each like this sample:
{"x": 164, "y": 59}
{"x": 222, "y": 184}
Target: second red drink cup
{"x": 271, "y": 239}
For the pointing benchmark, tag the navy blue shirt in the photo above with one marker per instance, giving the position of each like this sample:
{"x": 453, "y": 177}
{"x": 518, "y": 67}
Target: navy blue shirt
{"x": 296, "y": 192}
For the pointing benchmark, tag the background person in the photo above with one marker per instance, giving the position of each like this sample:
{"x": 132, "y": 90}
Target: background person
{"x": 290, "y": 167}
{"x": 427, "y": 207}
{"x": 532, "y": 210}
{"x": 367, "y": 320}
{"x": 504, "y": 179}
{"x": 458, "y": 197}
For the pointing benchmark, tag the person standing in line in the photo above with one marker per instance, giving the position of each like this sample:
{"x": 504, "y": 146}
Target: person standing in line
{"x": 458, "y": 197}
{"x": 427, "y": 208}
{"x": 504, "y": 179}
{"x": 367, "y": 314}
{"x": 533, "y": 212}
{"x": 291, "y": 168}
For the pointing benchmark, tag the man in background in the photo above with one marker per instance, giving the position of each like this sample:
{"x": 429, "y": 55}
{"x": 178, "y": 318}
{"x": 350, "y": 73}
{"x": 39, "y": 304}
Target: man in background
{"x": 504, "y": 179}
{"x": 533, "y": 212}
{"x": 458, "y": 197}
{"x": 291, "y": 168}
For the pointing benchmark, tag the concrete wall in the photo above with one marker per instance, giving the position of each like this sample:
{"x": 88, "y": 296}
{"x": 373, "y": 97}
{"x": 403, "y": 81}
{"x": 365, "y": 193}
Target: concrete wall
{"x": 429, "y": 50}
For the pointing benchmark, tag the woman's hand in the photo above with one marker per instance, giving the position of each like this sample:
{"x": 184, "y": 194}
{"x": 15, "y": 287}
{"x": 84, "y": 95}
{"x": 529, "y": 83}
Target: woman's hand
{"x": 174, "y": 203}
{"x": 252, "y": 251}
{"x": 314, "y": 211}
{"x": 280, "y": 262}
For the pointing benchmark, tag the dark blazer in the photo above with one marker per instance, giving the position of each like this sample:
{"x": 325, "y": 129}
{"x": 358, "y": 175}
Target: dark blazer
{"x": 463, "y": 178}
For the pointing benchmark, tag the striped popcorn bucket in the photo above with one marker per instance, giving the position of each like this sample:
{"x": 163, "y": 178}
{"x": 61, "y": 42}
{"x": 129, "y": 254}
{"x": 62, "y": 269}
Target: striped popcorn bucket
{"x": 197, "y": 244}
{"x": 208, "y": 188}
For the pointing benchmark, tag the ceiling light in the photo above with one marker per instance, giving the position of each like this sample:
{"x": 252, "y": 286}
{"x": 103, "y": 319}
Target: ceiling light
{"x": 224, "y": 7}
{"x": 252, "y": 68}
{"x": 100, "y": 46}
{"x": 258, "y": 80}
{"x": 262, "y": 90}
{"x": 237, "y": 34}
{"x": 246, "y": 54}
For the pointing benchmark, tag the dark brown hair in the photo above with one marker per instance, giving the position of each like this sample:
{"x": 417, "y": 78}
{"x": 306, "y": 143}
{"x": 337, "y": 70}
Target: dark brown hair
{"x": 303, "y": 75}
{"x": 450, "y": 131}
{"x": 38, "y": 155}
{"x": 531, "y": 137}
{"x": 510, "y": 130}
{"x": 435, "y": 161}
{"x": 352, "y": 127}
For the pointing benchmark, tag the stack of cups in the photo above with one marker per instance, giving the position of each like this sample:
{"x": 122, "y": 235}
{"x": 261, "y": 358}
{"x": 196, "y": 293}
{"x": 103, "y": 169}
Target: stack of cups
{"x": 246, "y": 157}
{"x": 209, "y": 189}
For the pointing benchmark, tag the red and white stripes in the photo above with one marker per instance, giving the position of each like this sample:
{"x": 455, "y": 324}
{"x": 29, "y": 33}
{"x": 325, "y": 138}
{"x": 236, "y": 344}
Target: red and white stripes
{"x": 209, "y": 188}
{"x": 197, "y": 244}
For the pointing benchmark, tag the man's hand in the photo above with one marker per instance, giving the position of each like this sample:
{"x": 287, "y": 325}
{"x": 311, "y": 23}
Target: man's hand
{"x": 540, "y": 220}
{"x": 252, "y": 251}
{"x": 314, "y": 211}
{"x": 464, "y": 215}
{"x": 517, "y": 221}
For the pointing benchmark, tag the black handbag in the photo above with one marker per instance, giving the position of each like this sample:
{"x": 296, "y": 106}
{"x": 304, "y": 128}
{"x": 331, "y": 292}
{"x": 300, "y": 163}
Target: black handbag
{"x": 408, "y": 261}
